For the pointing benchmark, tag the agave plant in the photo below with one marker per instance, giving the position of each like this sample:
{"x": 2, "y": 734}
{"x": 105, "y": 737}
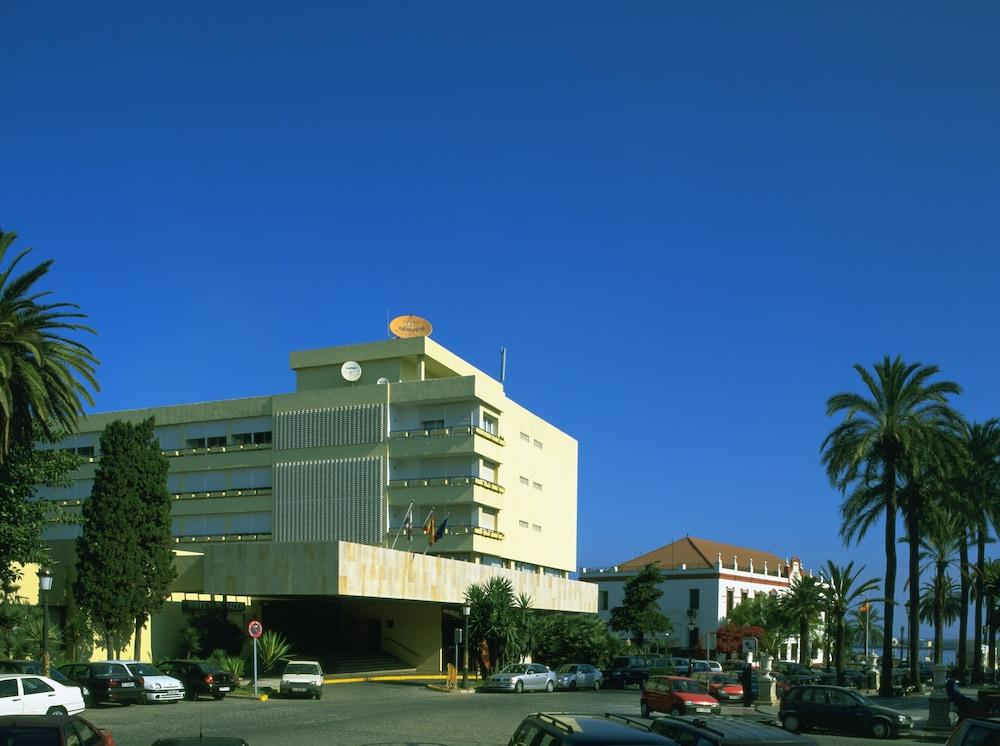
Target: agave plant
{"x": 273, "y": 648}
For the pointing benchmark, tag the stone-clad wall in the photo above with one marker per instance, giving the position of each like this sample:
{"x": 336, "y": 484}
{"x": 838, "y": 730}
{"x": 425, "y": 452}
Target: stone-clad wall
{"x": 359, "y": 570}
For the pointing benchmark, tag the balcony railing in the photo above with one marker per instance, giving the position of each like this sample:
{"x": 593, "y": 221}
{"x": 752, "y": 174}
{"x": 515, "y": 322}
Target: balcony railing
{"x": 445, "y": 432}
{"x": 200, "y": 539}
{"x": 231, "y": 448}
{"x": 464, "y": 481}
{"x": 221, "y": 493}
{"x": 450, "y": 530}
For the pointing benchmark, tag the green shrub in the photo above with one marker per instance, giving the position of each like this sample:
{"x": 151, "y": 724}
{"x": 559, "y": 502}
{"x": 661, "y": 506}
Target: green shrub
{"x": 272, "y": 649}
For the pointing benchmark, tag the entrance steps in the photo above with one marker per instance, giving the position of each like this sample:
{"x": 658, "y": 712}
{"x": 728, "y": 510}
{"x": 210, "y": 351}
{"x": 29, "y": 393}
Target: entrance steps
{"x": 354, "y": 664}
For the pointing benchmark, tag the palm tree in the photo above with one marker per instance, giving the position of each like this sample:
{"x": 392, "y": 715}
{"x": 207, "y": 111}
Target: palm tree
{"x": 864, "y": 454}
{"x": 981, "y": 489}
{"x": 989, "y": 583}
{"x": 44, "y": 374}
{"x": 840, "y": 594}
{"x": 863, "y": 626}
{"x": 802, "y": 603}
{"x": 940, "y": 545}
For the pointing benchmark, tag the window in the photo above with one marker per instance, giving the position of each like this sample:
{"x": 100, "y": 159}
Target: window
{"x": 35, "y": 686}
{"x": 536, "y": 528}
{"x": 602, "y": 600}
{"x": 537, "y": 486}
{"x": 694, "y": 596}
{"x": 522, "y": 524}
{"x": 744, "y": 595}
{"x": 730, "y": 601}
{"x": 525, "y": 437}
{"x": 8, "y": 688}
{"x": 524, "y": 480}
{"x": 491, "y": 424}
{"x": 538, "y": 444}
{"x": 215, "y": 441}
{"x": 432, "y": 424}
{"x": 70, "y": 736}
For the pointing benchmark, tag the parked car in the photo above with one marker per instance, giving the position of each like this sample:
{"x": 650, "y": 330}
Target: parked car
{"x": 975, "y": 731}
{"x": 797, "y": 673}
{"x": 669, "y": 665}
{"x": 302, "y": 678}
{"x": 837, "y": 708}
{"x": 200, "y": 677}
{"x": 626, "y": 670}
{"x": 32, "y": 694}
{"x": 52, "y": 730}
{"x": 677, "y": 695}
{"x": 725, "y": 687}
{"x": 201, "y": 741}
{"x": 578, "y": 676}
{"x": 105, "y": 682}
{"x": 700, "y": 665}
{"x": 557, "y": 728}
{"x": 520, "y": 677}
{"x": 155, "y": 685}
{"x": 723, "y": 730}
{"x": 26, "y": 666}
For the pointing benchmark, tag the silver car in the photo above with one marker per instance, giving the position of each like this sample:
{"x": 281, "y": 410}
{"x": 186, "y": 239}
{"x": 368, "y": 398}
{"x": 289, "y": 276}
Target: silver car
{"x": 578, "y": 676}
{"x": 520, "y": 677}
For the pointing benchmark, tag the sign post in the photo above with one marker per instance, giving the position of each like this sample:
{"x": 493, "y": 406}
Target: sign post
{"x": 255, "y": 629}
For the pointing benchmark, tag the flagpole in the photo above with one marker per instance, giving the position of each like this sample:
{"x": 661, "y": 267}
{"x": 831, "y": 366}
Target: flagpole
{"x": 407, "y": 514}
{"x": 430, "y": 533}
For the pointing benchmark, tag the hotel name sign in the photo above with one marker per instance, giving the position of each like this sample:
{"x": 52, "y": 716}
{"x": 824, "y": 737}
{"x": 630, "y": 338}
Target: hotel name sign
{"x": 410, "y": 326}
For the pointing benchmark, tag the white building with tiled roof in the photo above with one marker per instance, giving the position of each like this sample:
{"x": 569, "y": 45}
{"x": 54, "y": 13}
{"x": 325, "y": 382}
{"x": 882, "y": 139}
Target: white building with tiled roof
{"x": 703, "y": 582}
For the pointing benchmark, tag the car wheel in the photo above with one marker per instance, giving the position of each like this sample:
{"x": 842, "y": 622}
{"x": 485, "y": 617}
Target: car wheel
{"x": 219, "y": 695}
{"x": 791, "y": 723}
{"x": 675, "y": 711}
{"x": 642, "y": 683}
{"x": 190, "y": 696}
{"x": 597, "y": 685}
{"x": 572, "y": 685}
{"x": 549, "y": 686}
{"x": 60, "y": 711}
{"x": 518, "y": 686}
{"x": 126, "y": 703}
{"x": 879, "y": 728}
{"x": 644, "y": 709}
{"x": 318, "y": 694}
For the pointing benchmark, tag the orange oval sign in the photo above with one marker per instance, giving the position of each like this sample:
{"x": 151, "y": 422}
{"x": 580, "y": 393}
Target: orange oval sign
{"x": 410, "y": 326}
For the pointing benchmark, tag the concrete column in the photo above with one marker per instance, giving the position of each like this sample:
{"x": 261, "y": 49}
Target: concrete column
{"x": 938, "y": 707}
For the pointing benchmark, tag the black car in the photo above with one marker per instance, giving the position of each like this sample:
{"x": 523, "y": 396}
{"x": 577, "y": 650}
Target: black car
{"x": 200, "y": 677}
{"x": 837, "y": 708}
{"x": 52, "y": 730}
{"x": 35, "y": 667}
{"x": 723, "y": 730}
{"x": 625, "y": 670}
{"x": 975, "y": 732}
{"x": 579, "y": 728}
{"x": 106, "y": 682}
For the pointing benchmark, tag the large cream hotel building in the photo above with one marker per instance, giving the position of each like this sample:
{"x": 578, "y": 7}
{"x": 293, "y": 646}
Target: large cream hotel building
{"x": 291, "y": 508}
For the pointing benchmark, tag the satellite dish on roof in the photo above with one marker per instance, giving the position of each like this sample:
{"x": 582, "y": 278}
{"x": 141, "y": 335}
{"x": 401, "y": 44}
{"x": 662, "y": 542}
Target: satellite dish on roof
{"x": 382, "y": 381}
{"x": 351, "y": 371}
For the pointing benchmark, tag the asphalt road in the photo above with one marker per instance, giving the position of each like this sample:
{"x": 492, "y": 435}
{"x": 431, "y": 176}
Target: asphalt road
{"x": 369, "y": 714}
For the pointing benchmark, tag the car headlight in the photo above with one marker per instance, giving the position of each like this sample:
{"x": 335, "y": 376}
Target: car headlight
{"x": 903, "y": 718}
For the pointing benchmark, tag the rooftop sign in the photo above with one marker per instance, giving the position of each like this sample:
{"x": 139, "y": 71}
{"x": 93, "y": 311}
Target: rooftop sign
{"x": 410, "y": 326}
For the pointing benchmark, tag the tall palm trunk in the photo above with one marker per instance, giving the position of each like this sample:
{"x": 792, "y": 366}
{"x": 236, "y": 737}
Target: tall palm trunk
{"x": 939, "y": 611}
{"x": 804, "y": 641}
{"x": 838, "y": 648}
{"x": 913, "y": 605}
{"x": 885, "y": 685}
{"x": 963, "y": 620}
{"x": 977, "y": 616}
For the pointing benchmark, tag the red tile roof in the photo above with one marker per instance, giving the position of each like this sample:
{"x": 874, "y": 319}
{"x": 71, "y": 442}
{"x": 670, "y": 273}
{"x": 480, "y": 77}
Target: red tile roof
{"x": 703, "y": 554}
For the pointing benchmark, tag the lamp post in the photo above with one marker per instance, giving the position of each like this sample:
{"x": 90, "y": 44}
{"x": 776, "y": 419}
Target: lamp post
{"x": 691, "y": 613}
{"x": 45, "y": 584}
{"x": 466, "y": 610}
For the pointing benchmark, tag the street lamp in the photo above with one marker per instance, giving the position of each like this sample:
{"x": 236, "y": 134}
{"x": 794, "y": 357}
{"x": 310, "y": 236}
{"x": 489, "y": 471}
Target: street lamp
{"x": 45, "y": 583}
{"x": 691, "y": 613}
{"x": 466, "y": 610}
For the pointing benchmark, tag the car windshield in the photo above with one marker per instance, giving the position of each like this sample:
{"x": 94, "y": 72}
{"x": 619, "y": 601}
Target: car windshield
{"x": 34, "y": 736}
{"x": 567, "y": 669}
{"x": 302, "y": 668}
{"x": 685, "y": 685}
{"x": 144, "y": 669}
{"x": 516, "y": 668}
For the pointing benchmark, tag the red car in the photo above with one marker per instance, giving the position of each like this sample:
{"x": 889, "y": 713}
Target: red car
{"x": 724, "y": 687}
{"x": 57, "y": 730}
{"x": 677, "y": 695}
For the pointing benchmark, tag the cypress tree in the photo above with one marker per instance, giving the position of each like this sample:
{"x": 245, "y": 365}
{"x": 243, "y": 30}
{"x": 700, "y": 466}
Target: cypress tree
{"x": 124, "y": 560}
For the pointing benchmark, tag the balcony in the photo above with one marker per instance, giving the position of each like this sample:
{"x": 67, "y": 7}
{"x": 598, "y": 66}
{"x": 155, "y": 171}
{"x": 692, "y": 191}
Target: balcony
{"x": 231, "y": 448}
{"x": 214, "y": 538}
{"x": 221, "y": 493}
{"x": 450, "y": 530}
{"x": 446, "y": 432}
{"x": 464, "y": 481}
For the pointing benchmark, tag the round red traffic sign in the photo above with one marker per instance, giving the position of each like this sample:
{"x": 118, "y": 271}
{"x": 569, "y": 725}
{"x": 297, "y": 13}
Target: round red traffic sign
{"x": 255, "y": 629}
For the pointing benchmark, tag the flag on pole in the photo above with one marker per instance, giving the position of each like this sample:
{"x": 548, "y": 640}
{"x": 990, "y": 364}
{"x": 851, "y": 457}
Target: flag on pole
{"x": 429, "y": 528}
{"x": 408, "y": 523}
{"x": 440, "y": 532}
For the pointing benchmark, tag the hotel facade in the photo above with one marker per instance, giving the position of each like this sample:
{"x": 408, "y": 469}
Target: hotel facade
{"x": 293, "y": 509}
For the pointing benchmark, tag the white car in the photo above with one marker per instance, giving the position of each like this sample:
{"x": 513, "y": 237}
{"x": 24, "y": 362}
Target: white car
{"x": 32, "y": 694}
{"x": 302, "y": 677}
{"x": 520, "y": 677}
{"x": 156, "y": 685}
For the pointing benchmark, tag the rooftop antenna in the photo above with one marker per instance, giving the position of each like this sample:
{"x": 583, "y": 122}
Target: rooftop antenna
{"x": 503, "y": 364}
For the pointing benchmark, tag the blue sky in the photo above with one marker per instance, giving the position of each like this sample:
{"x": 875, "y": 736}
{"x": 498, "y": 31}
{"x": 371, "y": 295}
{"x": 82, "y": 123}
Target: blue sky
{"x": 685, "y": 220}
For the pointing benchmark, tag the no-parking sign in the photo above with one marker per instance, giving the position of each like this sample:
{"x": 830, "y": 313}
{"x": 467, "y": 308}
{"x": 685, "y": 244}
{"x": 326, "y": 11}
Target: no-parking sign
{"x": 255, "y": 629}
